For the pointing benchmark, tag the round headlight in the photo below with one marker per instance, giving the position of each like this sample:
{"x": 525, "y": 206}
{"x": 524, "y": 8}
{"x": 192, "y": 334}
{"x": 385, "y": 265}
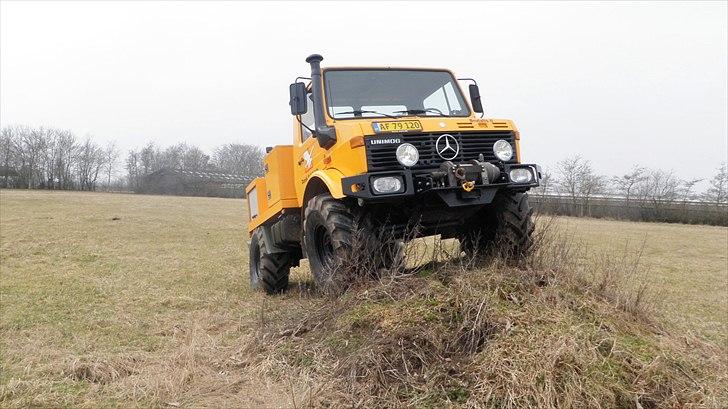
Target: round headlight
{"x": 503, "y": 150}
{"x": 407, "y": 155}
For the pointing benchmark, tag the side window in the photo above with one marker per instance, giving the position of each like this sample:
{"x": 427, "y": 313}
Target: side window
{"x": 307, "y": 118}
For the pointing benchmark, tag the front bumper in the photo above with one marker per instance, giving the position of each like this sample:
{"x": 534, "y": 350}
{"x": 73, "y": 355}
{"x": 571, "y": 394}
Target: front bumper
{"x": 455, "y": 186}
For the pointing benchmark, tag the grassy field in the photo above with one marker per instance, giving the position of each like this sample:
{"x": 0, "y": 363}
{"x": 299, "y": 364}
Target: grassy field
{"x": 109, "y": 299}
{"x": 687, "y": 266}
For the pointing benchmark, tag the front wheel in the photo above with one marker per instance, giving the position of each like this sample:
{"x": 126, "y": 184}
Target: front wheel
{"x": 504, "y": 227}
{"x": 342, "y": 243}
{"x": 329, "y": 228}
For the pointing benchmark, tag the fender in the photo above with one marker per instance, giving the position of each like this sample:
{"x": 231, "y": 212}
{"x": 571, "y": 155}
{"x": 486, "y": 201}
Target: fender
{"x": 331, "y": 177}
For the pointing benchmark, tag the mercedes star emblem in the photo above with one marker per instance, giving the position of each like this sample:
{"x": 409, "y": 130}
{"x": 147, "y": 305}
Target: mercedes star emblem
{"x": 447, "y": 146}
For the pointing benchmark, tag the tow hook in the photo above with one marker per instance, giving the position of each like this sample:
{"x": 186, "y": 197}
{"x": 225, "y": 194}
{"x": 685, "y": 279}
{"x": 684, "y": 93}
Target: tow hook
{"x": 468, "y": 186}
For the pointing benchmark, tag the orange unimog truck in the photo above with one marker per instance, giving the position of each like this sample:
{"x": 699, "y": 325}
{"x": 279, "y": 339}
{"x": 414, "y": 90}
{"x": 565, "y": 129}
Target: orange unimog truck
{"x": 382, "y": 149}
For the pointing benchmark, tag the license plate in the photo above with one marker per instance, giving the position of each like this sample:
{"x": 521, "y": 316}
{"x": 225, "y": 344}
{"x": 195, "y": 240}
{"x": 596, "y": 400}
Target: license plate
{"x": 396, "y": 126}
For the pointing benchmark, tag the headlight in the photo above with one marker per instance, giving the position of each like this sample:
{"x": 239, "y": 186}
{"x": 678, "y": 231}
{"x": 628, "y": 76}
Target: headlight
{"x": 503, "y": 150}
{"x": 521, "y": 175}
{"x": 387, "y": 184}
{"x": 407, "y": 155}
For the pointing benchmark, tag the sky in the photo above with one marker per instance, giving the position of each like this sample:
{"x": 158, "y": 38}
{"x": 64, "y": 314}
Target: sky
{"x": 618, "y": 83}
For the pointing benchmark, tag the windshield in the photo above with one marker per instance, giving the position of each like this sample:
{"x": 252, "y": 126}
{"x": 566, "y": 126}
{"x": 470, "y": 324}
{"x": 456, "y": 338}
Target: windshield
{"x": 392, "y": 93}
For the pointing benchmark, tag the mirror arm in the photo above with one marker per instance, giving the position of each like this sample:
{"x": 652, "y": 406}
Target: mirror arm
{"x": 468, "y": 79}
{"x": 298, "y": 118}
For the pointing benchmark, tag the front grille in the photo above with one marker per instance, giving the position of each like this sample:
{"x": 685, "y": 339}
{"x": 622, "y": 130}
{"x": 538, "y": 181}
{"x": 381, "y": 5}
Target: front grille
{"x": 381, "y": 157}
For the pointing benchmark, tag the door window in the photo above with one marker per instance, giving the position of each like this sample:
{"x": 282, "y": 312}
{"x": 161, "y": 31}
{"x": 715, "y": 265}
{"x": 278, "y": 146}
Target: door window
{"x": 308, "y": 118}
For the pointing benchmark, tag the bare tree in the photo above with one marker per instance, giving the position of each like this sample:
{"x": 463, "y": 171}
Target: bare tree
{"x": 590, "y": 184}
{"x": 576, "y": 178}
{"x": 30, "y": 147}
{"x": 659, "y": 190}
{"x": 67, "y": 150}
{"x": 239, "y": 159}
{"x": 150, "y": 159}
{"x": 41, "y": 156}
{"x": 7, "y": 153}
{"x": 171, "y": 157}
{"x": 111, "y": 159}
{"x": 90, "y": 163}
{"x": 49, "y": 157}
{"x": 567, "y": 178}
{"x": 624, "y": 185}
{"x": 685, "y": 189}
{"x": 193, "y": 158}
{"x": 718, "y": 190}
{"x": 133, "y": 170}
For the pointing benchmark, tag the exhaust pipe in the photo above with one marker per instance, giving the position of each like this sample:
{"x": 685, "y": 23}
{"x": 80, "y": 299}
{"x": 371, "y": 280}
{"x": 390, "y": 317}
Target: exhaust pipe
{"x": 326, "y": 135}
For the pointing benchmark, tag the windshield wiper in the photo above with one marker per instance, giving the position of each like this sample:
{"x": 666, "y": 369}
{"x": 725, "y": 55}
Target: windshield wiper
{"x": 359, "y": 113}
{"x": 421, "y": 111}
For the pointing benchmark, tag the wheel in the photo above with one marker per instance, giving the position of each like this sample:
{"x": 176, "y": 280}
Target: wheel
{"x": 341, "y": 239}
{"x": 268, "y": 271}
{"x": 329, "y": 228}
{"x": 505, "y": 227}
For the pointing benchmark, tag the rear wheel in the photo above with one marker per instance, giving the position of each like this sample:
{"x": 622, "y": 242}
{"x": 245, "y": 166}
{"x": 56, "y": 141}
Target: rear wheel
{"x": 268, "y": 271}
{"x": 505, "y": 227}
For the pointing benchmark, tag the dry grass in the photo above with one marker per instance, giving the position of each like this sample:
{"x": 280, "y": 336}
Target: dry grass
{"x": 562, "y": 329}
{"x": 686, "y": 264}
{"x": 119, "y": 300}
{"x": 150, "y": 308}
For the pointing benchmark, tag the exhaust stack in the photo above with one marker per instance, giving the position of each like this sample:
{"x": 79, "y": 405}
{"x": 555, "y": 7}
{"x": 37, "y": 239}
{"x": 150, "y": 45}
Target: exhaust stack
{"x": 326, "y": 135}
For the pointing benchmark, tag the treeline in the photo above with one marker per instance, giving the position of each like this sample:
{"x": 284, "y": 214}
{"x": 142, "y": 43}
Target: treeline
{"x": 575, "y": 180}
{"x": 233, "y": 158}
{"x": 51, "y": 158}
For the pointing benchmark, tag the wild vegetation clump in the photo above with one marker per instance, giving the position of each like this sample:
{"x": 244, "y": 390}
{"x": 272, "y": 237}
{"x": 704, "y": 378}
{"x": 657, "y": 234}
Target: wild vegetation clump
{"x": 559, "y": 329}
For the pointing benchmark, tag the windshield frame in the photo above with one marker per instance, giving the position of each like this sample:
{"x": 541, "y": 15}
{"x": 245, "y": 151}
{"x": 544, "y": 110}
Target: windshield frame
{"x": 456, "y": 87}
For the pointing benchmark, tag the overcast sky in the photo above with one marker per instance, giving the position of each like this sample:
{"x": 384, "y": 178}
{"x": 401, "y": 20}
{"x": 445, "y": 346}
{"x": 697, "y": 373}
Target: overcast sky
{"x": 619, "y": 83}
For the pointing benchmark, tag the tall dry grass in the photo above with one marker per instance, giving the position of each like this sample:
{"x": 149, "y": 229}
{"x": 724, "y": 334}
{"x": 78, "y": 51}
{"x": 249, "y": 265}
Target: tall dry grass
{"x": 560, "y": 328}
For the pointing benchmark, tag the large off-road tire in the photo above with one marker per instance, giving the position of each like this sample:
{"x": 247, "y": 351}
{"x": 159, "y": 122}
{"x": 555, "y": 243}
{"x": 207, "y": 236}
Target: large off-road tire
{"x": 342, "y": 242}
{"x": 505, "y": 227}
{"x": 268, "y": 271}
{"x": 329, "y": 228}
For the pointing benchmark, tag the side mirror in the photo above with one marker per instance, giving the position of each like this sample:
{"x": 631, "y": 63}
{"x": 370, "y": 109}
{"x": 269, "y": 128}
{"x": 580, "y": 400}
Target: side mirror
{"x": 475, "y": 98}
{"x": 297, "y": 101}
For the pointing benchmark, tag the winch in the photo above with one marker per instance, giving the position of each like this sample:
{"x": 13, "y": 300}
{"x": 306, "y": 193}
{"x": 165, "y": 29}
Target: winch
{"x": 466, "y": 175}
